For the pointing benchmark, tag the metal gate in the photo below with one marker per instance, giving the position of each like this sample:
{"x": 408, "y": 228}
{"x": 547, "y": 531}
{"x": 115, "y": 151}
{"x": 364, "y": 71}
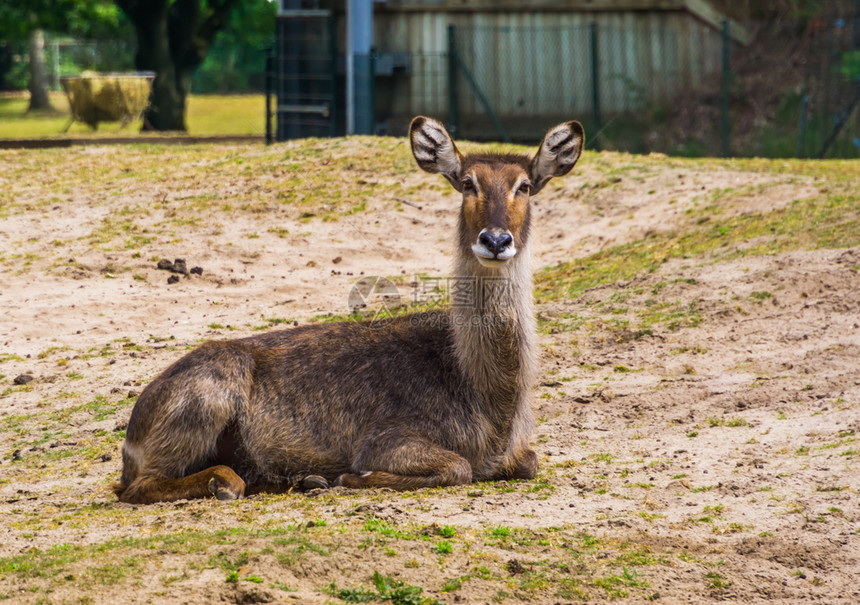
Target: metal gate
{"x": 305, "y": 74}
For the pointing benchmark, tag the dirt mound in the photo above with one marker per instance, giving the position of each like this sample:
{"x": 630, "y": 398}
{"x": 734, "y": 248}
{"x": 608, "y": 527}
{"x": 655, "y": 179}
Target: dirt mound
{"x": 697, "y": 419}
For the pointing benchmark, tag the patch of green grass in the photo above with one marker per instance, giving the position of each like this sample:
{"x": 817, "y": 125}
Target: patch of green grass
{"x": 615, "y": 586}
{"x": 703, "y": 488}
{"x": 828, "y": 221}
{"x": 226, "y": 114}
{"x": 385, "y": 588}
{"x": 715, "y": 581}
{"x": 732, "y": 422}
{"x": 384, "y": 528}
{"x": 444, "y": 547}
{"x": 604, "y": 457}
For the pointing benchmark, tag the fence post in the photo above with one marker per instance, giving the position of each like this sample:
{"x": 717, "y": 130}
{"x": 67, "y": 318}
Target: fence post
{"x": 801, "y": 143}
{"x": 270, "y": 65}
{"x": 453, "y": 110}
{"x": 55, "y": 64}
{"x": 725, "y": 126}
{"x": 371, "y": 101}
{"x": 595, "y": 87}
{"x": 332, "y": 48}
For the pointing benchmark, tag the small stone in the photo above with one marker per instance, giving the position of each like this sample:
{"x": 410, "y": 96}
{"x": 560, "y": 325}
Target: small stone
{"x": 180, "y": 267}
{"x": 106, "y": 457}
{"x": 165, "y": 265}
{"x": 172, "y": 279}
{"x": 23, "y": 379}
{"x": 336, "y": 259}
{"x": 196, "y": 270}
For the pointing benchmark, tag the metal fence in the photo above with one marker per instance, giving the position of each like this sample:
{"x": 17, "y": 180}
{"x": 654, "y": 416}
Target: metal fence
{"x": 513, "y": 83}
{"x": 830, "y": 109}
{"x": 631, "y": 89}
{"x": 520, "y": 81}
{"x": 228, "y": 68}
{"x": 629, "y": 86}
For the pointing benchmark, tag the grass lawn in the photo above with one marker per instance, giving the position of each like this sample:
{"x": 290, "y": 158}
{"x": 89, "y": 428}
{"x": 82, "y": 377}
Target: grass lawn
{"x": 207, "y": 115}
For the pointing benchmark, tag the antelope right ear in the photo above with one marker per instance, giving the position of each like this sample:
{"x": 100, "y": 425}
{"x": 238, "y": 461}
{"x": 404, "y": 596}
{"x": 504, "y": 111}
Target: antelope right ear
{"x": 435, "y": 151}
{"x": 558, "y": 152}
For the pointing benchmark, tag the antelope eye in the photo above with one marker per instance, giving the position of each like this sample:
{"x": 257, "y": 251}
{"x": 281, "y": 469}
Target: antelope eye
{"x": 468, "y": 186}
{"x": 525, "y": 187}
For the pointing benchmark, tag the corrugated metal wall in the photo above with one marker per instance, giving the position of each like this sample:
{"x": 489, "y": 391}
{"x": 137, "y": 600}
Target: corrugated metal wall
{"x": 538, "y": 65}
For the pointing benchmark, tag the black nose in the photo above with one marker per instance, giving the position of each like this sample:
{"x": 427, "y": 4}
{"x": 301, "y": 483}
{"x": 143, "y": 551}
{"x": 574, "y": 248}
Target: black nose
{"x": 495, "y": 243}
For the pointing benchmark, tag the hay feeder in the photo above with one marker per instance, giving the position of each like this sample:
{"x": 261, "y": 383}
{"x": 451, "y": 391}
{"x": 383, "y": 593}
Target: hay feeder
{"x": 109, "y": 97}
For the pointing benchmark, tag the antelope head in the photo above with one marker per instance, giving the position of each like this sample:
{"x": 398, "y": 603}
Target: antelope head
{"x": 495, "y": 215}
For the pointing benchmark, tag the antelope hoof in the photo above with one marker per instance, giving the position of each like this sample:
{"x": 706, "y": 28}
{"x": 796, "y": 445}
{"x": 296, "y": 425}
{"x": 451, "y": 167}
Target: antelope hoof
{"x": 226, "y": 485}
{"x": 350, "y": 480}
{"x": 314, "y": 482}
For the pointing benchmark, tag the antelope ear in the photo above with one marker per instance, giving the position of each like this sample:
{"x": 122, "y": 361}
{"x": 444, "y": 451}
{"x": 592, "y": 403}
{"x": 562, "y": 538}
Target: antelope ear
{"x": 557, "y": 154}
{"x": 435, "y": 151}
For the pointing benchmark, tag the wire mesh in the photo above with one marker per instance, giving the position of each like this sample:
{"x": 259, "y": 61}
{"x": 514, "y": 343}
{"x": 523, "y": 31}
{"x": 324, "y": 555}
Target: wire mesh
{"x": 533, "y": 77}
{"x": 408, "y": 84}
{"x": 830, "y": 118}
{"x": 305, "y": 75}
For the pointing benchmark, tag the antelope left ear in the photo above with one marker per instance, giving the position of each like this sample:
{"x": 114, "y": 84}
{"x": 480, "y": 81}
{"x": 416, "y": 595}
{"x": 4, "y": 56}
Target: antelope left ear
{"x": 558, "y": 152}
{"x": 435, "y": 151}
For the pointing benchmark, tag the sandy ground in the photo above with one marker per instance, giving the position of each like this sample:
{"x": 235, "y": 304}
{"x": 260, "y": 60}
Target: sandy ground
{"x": 725, "y": 446}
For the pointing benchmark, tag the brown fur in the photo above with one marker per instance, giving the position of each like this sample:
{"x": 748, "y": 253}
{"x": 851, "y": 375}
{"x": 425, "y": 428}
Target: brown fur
{"x": 333, "y": 400}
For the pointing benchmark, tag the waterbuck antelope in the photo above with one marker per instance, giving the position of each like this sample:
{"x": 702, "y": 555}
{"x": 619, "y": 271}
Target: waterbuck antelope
{"x": 431, "y": 399}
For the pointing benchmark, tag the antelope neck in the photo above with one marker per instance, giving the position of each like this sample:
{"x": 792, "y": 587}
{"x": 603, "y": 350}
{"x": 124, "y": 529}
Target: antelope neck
{"x": 493, "y": 325}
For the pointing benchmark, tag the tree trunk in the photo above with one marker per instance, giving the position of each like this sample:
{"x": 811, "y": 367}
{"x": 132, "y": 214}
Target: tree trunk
{"x": 172, "y": 40}
{"x": 39, "y": 98}
{"x": 166, "y": 103}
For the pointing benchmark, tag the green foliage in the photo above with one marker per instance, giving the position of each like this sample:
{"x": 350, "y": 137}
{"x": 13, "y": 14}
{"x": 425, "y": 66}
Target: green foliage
{"x": 850, "y": 67}
{"x": 387, "y": 589}
{"x": 73, "y": 17}
{"x": 236, "y": 61}
{"x": 443, "y": 547}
